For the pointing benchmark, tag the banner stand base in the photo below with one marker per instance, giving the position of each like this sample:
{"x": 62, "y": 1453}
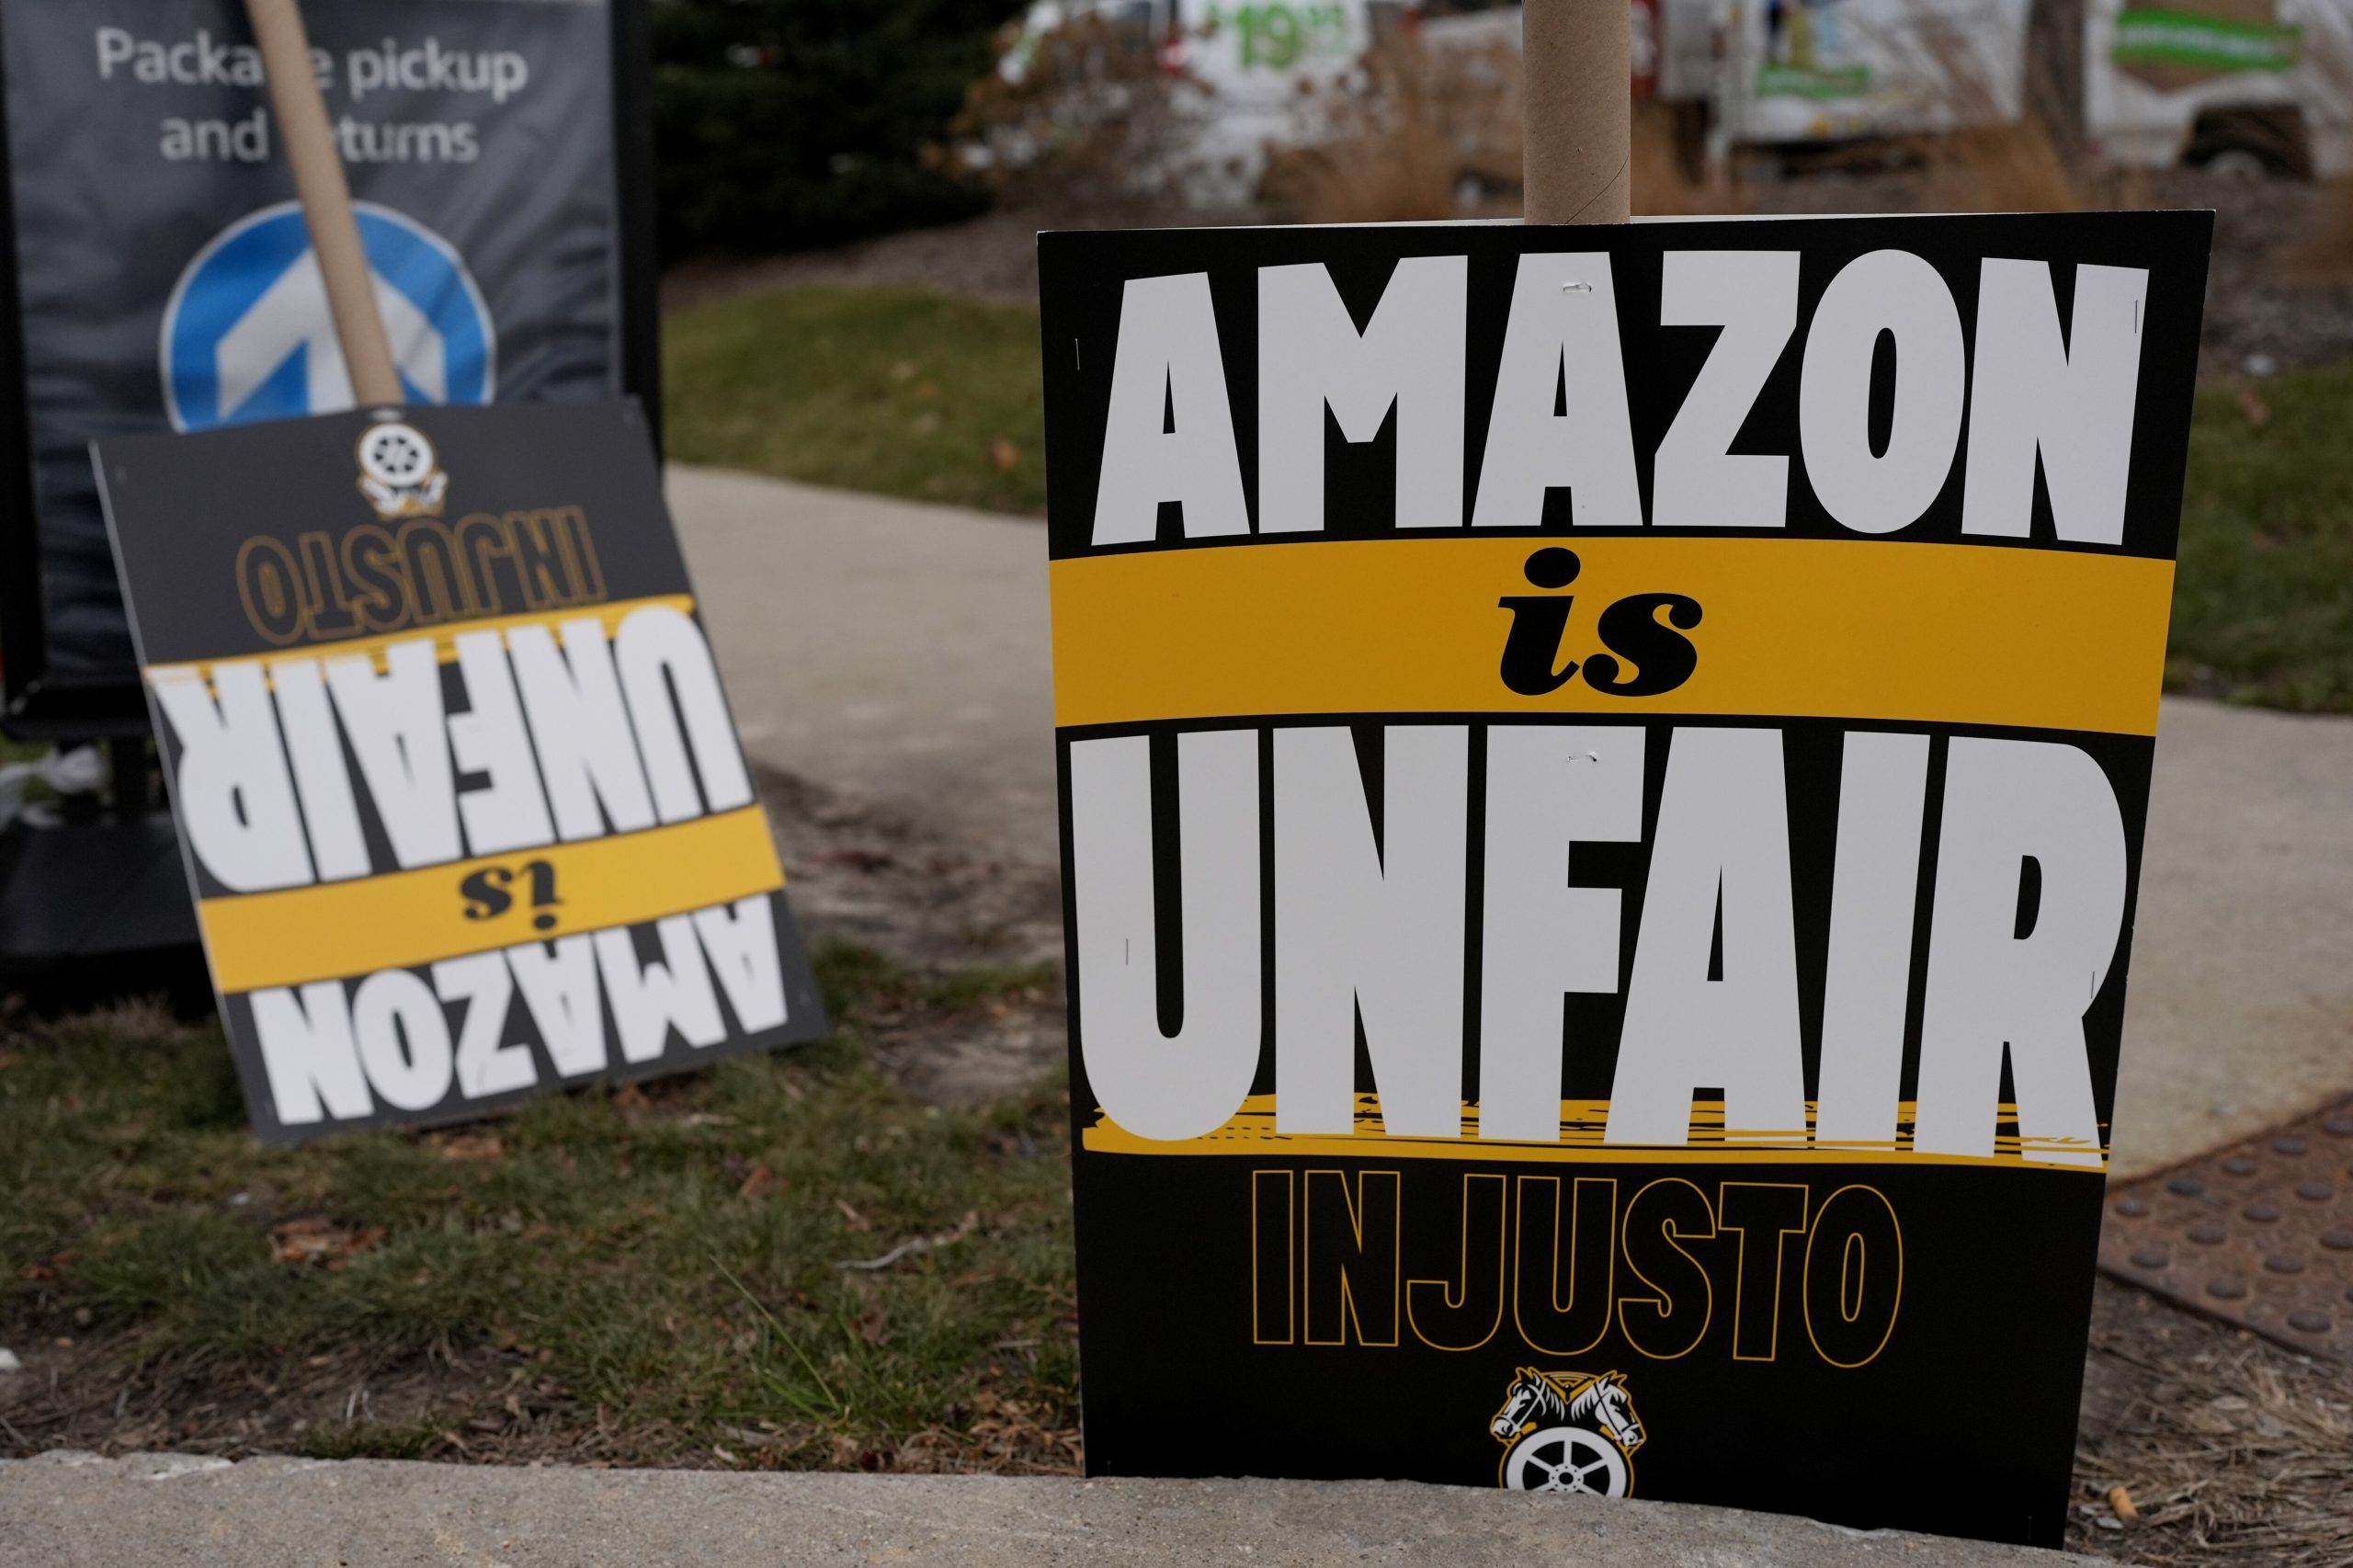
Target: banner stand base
{"x": 80, "y": 897}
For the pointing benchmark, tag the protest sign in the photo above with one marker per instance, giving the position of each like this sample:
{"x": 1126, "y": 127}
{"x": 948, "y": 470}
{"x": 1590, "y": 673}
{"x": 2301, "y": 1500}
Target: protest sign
{"x": 1602, "y": 781}
{"x": 461, "y": 799}
{"x": 156, "y": 272}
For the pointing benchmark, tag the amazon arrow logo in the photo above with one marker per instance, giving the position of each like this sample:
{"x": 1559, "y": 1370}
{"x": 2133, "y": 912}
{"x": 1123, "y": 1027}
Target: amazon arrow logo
{"x": 248, "y": 335}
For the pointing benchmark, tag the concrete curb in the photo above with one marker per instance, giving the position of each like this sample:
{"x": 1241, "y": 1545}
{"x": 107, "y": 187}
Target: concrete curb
{"x": 67, "y": 1510}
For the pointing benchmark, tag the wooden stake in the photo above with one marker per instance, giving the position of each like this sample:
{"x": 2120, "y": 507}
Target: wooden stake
{"x": 327, "y": 199}
{"x": 1578, "y": 111}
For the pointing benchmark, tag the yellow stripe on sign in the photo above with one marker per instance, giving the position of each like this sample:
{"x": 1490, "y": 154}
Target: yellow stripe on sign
{"x": 1251, "y": 1130}
{"x": 444, "y": 636}
{"x": 1842, "y": 628}
{"x": 337, "y": 929}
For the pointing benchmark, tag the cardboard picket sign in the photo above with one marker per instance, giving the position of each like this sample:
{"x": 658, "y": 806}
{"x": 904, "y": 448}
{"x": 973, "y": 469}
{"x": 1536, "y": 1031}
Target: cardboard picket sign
{"x": 1602, "y": 779}
{"x": 457, "y": 786}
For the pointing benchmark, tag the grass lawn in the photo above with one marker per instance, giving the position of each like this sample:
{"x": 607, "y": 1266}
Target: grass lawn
{"x": 911, "y": 393}
{"x": 654, "y": 1276}
{"x": 2263, "y": 607}
{"x": 898, "y": 391}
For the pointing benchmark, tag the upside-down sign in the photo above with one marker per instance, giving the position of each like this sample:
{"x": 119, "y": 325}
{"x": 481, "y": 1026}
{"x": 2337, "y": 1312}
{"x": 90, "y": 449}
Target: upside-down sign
{"x": 1603, "y": 773}
{"x": 459, "y": 792}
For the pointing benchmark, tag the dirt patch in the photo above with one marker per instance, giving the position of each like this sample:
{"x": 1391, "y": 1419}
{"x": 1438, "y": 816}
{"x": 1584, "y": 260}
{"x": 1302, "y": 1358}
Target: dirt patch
{"x": 490, "y": 1408}
{"x": 861, "y": 871}
{"x": 494, "y": 1406}
{"x": 866, "y": 875}
{"x": 2267, "y": 305}
{"x": 992, "y": 257}
{"x": 2262, "y": 313}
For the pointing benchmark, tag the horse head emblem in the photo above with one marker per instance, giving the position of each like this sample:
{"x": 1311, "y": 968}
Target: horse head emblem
{"x": 1526, "y": 1390}
{"x": 1568, "y": 1432}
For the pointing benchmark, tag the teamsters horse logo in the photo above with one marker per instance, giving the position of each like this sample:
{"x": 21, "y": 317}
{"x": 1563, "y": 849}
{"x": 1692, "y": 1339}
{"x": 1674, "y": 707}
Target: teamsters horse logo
{"x": 1568, "y": 1432}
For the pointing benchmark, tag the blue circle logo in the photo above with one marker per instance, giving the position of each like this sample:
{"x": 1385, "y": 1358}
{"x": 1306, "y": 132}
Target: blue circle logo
{"x": 247, "y": 335}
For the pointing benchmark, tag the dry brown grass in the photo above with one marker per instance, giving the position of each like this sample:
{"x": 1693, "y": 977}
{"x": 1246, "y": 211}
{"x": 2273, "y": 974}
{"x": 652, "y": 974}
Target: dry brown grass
{"x": 1994, "y": 164}
{"x": 2321, "y": 257}
{"x": 2000, "y": 168}
{"x": 1422, "y": 125}
{"x": 1996, "y": 160}
{"x": 1429, "y": 126}
{"x": 1094, "y": 122}
{"x": 2231, "y": 1451}
{"x": 1663, "y": 181}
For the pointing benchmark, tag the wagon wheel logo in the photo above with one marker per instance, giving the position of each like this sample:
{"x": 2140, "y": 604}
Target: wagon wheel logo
{"x": 1568, "y": 1432}
{"x": 399, "y": 472}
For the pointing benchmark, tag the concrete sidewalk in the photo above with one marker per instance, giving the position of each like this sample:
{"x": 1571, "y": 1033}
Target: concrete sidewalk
{"x": 76, "y": 1511}
{"x": 899, "y": 651}
{"x": 883, "y": 648}
{"x": 2240, "y": 1013}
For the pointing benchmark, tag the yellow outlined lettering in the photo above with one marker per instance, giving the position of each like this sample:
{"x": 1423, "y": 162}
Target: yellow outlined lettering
{"x": 1547, "y": 1322}
{"x": 1774, "y": 1210}
{"x": 1352, "y": 1268}
{"x": 1673, "y": 1210}
{"x": 1853, "y": 1254}
{"x": 1445, "y": 1318}
{"x": 1274, "y": 1232}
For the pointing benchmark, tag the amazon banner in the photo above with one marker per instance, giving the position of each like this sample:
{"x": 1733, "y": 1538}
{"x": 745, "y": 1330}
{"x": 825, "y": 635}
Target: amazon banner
{"x": 1603, "y": 773}
{"x": 156, "y": 272}
{"x": 461, "y": 799}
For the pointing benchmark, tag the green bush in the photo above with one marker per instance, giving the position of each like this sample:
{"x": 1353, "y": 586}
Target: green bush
{"x": 783, "y": 123}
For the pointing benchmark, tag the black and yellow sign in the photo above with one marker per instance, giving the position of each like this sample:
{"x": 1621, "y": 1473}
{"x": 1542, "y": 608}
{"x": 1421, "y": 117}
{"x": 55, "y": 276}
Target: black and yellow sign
{"x": 1602, "y": 774}
{"x": 460, "y": 794}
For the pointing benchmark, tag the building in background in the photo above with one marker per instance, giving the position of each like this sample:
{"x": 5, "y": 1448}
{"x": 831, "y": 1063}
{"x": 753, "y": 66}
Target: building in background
{"x": 2247, "y": 87}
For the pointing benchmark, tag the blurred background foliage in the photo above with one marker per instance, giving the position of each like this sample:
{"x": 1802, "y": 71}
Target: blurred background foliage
{"x": 817, "y": 119}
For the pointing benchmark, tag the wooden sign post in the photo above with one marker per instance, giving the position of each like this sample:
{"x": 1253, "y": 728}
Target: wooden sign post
{"x": 327, "y": 199}
{"x": 1578, "y": 117}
